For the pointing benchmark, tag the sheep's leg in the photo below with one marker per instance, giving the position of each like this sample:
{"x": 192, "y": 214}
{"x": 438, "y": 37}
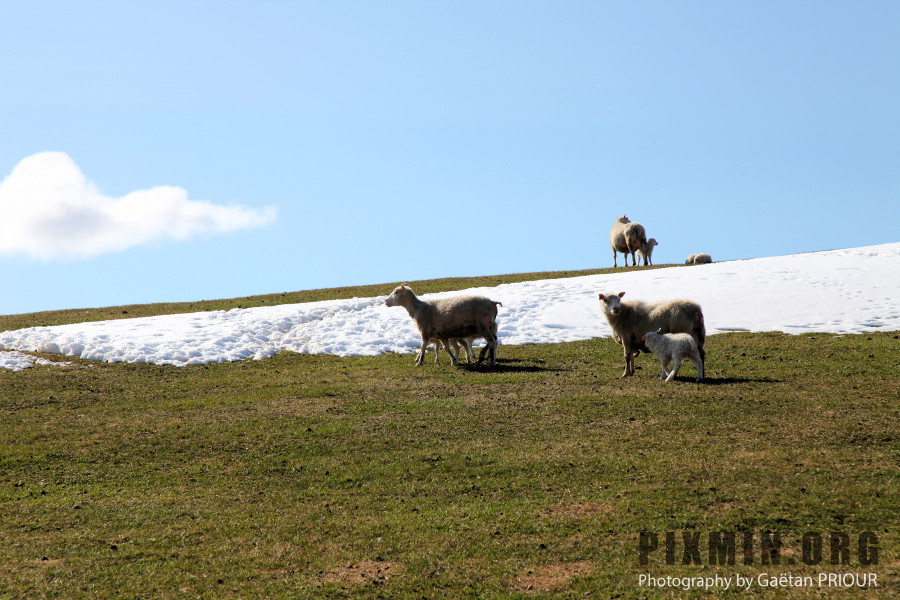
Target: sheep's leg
{"x": 629, "y": 362}
{"x": 437, "y": 351}
{"x": 420, "y": 357}
{"x": 455, "y": 344}
{"x": 470, "y": 356}
{"x": 663, "y": 362}
{"x": 453, "y": 358}
{"x": 698, "y": 362}
{"x": 483, "y": 353}
{"x": 615, "y": 263}
{"x": 489, "y": 350}
{"x": 676, "y": 364}
{"x": 492, "y": 353}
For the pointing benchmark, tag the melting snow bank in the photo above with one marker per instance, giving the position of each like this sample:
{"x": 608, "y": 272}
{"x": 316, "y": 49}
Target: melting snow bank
{"x": 840, "y": 291}
{"x": 16, "y": 361}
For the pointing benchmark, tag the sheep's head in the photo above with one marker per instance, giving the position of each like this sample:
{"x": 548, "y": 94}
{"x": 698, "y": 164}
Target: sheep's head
{"x": 611, "y": 303}
{"x": 651, "y": 336}
{"x": 623, "y": 219}
{"x": 397, "y": 297}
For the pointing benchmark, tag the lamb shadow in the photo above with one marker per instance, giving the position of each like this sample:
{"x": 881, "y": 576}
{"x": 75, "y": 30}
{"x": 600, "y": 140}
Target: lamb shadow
{"x": 731, "y": 380}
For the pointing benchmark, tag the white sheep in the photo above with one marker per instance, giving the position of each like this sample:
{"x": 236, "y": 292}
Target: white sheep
{"x": 447, "y": 318}
{"x": 669, "y": 347}
{"x": 698, "y": 259}
{"x": 626, "y": 237}
{"x": 631, "y": 319}
{"x": 646, "y": 253}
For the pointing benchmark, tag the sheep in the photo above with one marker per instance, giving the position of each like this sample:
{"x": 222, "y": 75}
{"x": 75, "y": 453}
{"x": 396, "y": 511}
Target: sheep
{"x": 626, "y": 237}
{"x": 448, "y": 318}
{"x": 669, "y": 347}
{"x": 647, "y": 251}
{"x": 630, "y": 320}
{"x": 698, "y": 259}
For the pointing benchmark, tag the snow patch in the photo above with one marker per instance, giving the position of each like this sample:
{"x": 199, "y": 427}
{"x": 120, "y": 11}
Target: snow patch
{"x": 839, "y": 291}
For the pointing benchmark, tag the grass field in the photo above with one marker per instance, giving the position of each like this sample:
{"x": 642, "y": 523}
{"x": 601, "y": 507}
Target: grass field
{"x": 311, "y": 476}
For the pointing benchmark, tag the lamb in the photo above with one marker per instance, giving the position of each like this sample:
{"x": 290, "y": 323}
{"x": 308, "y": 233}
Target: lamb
{"x": 669, "y": 347}
{"x": 459, "y": 317}
{"x": 466, "y": 344}
{"x": 630, "y": 320}
{"x": 698, "y": 259}
{"x": 647, "y": 251}
{"x": 626, "y": 237}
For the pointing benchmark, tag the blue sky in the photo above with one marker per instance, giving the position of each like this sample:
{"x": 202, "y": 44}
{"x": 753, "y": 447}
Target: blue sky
{"x": 279, "y": 146}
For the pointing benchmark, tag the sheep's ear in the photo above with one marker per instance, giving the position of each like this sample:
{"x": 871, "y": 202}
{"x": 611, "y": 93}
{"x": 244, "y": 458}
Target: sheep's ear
{"x": 601, "y": 296}
{"x": 643, "y": 338}
{"x": 621, "y": 294}
{"x": 659, "y": 331}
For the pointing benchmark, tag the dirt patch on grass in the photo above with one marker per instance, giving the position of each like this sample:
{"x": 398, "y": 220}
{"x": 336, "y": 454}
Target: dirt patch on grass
{"x": 364, "y": 573}
{"x": 550, "y": 577}
{"x": 720, "y": 509}
{"x": 47, "y": 563}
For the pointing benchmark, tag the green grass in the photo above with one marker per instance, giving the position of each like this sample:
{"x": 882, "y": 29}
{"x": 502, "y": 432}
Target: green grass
{"x": 306, "y": 476}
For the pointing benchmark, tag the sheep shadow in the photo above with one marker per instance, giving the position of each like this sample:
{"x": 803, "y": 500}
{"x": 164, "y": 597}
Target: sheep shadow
{"x": 510, "y": 365}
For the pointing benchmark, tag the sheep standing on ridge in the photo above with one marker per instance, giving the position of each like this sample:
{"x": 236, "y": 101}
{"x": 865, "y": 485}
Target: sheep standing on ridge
{"x": 447, "y": 318}
{"x": 647, "y": 251}
{"x": 626, "y": 237}
{"x": 630, "y": 320}
{"x": 669, "y": 347}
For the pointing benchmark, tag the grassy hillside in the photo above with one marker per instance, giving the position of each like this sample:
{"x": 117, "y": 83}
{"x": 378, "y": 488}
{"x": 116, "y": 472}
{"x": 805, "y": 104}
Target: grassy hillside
{"x": 323, "y": 477}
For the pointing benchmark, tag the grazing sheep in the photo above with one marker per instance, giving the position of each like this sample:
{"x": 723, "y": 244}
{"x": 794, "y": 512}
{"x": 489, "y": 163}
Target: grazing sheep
{"x": 698, "y": 259}
{"x": 647, "y": 251}
{"x": 626, "y": 237}
{"x": 669, "y": 347}
{"x": 630, "y": 320}
{"x": 459, "y": 317}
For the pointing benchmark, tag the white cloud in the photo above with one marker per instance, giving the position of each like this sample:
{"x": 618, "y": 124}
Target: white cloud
{"x": 51, "y": 211}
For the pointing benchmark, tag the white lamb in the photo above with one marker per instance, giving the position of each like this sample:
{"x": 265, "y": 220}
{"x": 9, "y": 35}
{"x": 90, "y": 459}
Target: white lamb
{"x": 646, "y": 253}
{"x": 669, "y": 347}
